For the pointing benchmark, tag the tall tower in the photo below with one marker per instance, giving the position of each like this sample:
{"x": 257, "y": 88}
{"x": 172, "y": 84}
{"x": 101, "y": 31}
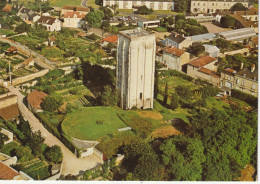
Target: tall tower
{"x": 135, "y": 68}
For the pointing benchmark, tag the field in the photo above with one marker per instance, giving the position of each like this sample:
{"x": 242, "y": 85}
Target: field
{"x": 91, "y": 123}
{"x": 61, "y": 3}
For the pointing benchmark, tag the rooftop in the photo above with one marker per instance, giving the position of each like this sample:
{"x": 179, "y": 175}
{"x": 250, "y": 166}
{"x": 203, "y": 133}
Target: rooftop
{"x": 174, "y": 51}
{"x": 224, "y": 0}
{"x": 238, "y": 34}
{"x": 176, "y": 37}
{"x": 11, "y": 49}
{"x": 6, "y": 172}
{"x": 209, "y": 72}
{"x": 35, "y": 98}
{"x": 74, "y": 15}
{"x": 27, "y": 61}
{"x": 249, "y": 73}
{"x": 10, "y": 112}
{"x": 46, "y": 20}
{"x": 203, "y": 37}
{"x": 229, "y": 71}
{"x": 111, "y": 39}
{"x": 202, "y": 61}
{"x": 211, "y": 48}
{"x": 135, "y": 32}
{"x": 7, "y": 8}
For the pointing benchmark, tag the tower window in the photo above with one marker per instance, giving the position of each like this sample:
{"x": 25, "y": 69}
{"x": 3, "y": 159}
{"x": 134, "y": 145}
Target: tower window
{"x": 141, "y": 96}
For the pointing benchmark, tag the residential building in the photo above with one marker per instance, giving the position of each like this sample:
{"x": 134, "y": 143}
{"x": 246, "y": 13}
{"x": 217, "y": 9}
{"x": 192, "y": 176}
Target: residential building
{"x": 79, "y": 9}
{"x": 148, "y": 23}
{"x": 203, "y": 37}
{"x": 11, "y": 51}
{"x": 204, "y": 68}
{"x": 27, "y": 14}
{"x": 9, "y": 110}
{"x": 27, "y": 63}
{"x": 51, "y": 23}
{"x": 151, "y": 4}
{"x": 242, "y": 22}
{"x": 8, "y": 173}
{"x": 159, "y": 54}
{"x": 7, "y": 8}
{"x": 175, "y": 58}
{"x": 73, "y": 19}
{"x": 211, "y": 6}
{"x": 238, "y": 34}
{"x": 178, "y": 41}
{"x": 51, "y": 41}
{"x": 245, "y": 80}
{"x": 213, "y": 51}
{"x": 109, "y": 39}
{"x": 135, "y": 68}
{"x": 35, "y": 99}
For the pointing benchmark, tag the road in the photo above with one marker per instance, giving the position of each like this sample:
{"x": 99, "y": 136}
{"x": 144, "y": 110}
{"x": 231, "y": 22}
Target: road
{"x": 71, "y": 164}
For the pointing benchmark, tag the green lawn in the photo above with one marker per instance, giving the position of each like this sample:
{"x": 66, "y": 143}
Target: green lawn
{"x": 82, "y": 124}
{"x": 255, "y": 5}
{"x": 160, "y": 29}
{"x": 165, "y": 12}
{"x": 214, "y": 103}
{"x": 149, "y": 17}
{"x": 61, "y": 3}
{"x": 6, "y": 32}
{"x": 92, "y": 4}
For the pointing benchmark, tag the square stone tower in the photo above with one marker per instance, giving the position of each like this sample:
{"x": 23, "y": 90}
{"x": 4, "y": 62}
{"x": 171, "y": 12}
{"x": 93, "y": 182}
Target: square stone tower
{"x": 135, "y": 68}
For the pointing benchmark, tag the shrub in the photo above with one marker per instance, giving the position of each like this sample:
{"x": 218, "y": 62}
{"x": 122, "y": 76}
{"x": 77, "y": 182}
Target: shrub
{"x": 100, "y": 122}
{"x": 250, "y": 99}
{"x": 54, "y": 154}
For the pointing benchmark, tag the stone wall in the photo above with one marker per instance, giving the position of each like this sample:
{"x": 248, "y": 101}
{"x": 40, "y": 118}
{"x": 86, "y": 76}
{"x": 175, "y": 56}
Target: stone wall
{"x": 30, "y": 77}
{"x": 240, "y": 51}
{"x": 98, "y": 153}
{"x": 9, "y": 134}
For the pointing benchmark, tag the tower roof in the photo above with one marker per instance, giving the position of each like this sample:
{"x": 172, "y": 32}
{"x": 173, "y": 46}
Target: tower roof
{"x": 133, "y": 33}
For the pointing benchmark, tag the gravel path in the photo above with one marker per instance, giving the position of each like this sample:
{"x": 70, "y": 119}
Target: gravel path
{"x": 71, "y": 164}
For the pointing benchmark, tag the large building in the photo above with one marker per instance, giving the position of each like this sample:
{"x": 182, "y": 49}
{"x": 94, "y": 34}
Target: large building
{"x": 211, "y": 6}
{"x": 135, "y": 68}
{"x": 130, "y": 4}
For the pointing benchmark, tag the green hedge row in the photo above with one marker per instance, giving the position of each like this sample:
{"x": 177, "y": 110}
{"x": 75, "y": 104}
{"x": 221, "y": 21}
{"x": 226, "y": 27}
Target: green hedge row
{"x": 250, "y": 99}
{"x": 14, "y": 129}
{"x": 177, "y": 74}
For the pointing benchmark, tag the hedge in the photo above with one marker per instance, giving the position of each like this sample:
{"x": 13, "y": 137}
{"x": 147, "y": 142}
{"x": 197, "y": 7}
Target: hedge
{"x": 14, "y": 129}
{"x": 250, "y": 99}
{"x": 177, "y": 74}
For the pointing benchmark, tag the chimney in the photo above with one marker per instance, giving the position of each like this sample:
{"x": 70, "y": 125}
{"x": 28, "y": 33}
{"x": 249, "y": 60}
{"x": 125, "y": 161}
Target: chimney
{"x": 253, "y": 68}
{"x": 242, "y": 66}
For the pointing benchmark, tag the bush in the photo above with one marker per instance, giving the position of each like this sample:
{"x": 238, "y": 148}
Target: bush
{"x": 54, "y": 154}
{"x": 100, "y": 122}
{"x": 177, "y": 74}
{"x": 250, "y": 99}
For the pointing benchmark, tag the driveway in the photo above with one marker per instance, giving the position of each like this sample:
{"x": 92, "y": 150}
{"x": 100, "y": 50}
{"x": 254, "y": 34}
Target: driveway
{"x": 71, "y": 164}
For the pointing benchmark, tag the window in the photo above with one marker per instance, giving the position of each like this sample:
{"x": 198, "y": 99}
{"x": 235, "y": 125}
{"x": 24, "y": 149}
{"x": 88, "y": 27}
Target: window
{"x": 237, "y": 81}
{"x": 141, "y": 96}
{"x": 203, "y": 4}
{"x": 212, "y": 4}
{"x": 194, "y": 4}
{"x": 224, "y": 4}
{"x": 198, "y": 4}
{"x": 242, "y": 83}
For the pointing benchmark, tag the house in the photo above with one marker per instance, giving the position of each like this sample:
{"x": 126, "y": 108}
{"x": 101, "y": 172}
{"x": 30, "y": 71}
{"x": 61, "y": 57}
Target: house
{"x": 212, "y": 6}
{"x": 11, "y": 51}
{"x": 79, "y": 9}
{"x": 9, "y": 110}
{"x": 242, "y": 22}
{"x": 203, "y": 37}
{"x": 7, "y": 8}
{"x": 8, "y": 173}
{"x": 245, "y": 80}
{"x": 51, "y": 41}
{"x": 73, "y": 19}
{"x": 130, "y": 4}
{"x": 27, "y": 63}
{"x": 178, "y": 41}
{"x": 109, "y": 39}
{"x": 51, "y": 23}
{"x": 204, "y": 68}
{"x": 175, "y": 58}
{"x": 35, "y": 99}
{"x": 28, "y": 15}
{"x": 148, "y": 23}
{"x": 213, "y": 51}
{"x": 238, "y": 34}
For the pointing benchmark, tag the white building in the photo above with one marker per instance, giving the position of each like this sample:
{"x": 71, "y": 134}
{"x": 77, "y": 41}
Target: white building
{"x": 73, "y": 19}
{"x": 136, "y": 50}
{"x": 51, "y": 23}
{"x": 130, "y": 4}
{"x": 211, "y": 6}
{"x": 148, "y": 23}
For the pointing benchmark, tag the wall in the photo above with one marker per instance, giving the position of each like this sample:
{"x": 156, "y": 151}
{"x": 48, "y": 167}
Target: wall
{"x": 240, "y": 51}
{"x": 56, "y": 176}
{"x": 9, "y": 134}
{"x": 98, "y": 153}
{"x": 30, "y": 77}
{"x": 9, "y": 101}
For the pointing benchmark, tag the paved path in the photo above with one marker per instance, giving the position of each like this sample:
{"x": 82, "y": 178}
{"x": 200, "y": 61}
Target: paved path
{"x": 71, "y": 164}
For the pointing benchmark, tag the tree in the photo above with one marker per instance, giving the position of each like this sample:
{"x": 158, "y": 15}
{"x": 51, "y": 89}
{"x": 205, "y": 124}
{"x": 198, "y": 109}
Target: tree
{"x": 179, "y": 17}
{"x": 174, "y": 101}
{"x": 238, "y": 7}
{"x": 23, "y": 153}
{"x": 182, "y": 6}
{"x": 94, "y": 18}
{"x": 52, "y": 102}
{"x": 144, "y": 10}
{"x": 165, "y": 98}
{"x": 36, "y": 143}
{"x": 105, "y": 25}
{"x": 109, "y": 96}
{"x": 54, "y": 154}
{"x": 196, "y": 49}
{"x": 171, "y": 20}
{"x": 3, "y": 138}
{"x": 227, "y": 21}
{"x": 23, "y": 28}
{"x": 108, "y": 14}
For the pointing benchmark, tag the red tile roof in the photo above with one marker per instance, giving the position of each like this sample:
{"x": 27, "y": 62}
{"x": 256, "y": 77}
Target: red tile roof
{"x": 11, "y": 49}
{"x": 26, "y": 62}
{"x": 6, "y": 172}
{"x": 202, "y": 61}
{"x": 82, "y": 34}
{"x": 209, "y": 72}
{"x": 174, "y": 51}
{"x": 52, "y": 39}
{"x": 35, "y": 98}
{"x": 255, "y": 40}
{"x": 9, "y": 112}
{"x": 7, "y": 8}
{"x": 72, "y": 14}
{"x": 111, "y": 39}
{"x": 230, "y": 70}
